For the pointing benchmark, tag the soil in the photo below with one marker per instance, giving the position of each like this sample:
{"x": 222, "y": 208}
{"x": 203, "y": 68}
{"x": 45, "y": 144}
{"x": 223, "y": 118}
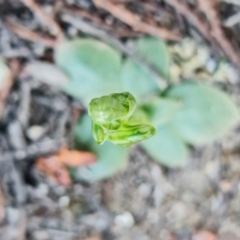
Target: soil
{"x": 145, "y": 201}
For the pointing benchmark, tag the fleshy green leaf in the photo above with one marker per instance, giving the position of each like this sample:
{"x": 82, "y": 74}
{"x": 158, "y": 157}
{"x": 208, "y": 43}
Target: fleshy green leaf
{"x": 114, "y": 119}
{"x": 138, "y": 80}
{"x": 83, "y": 132}
{"x": 156, "y": 53}
{"x": 98, "y": 133}
{"x": 128, "y": 134}
{"x": 160, "y": 110}
{"x": 113, "y": 107}
{"x": 94, "y": 68}
{"x": 111, "y": 158}
{"x": 139, "y": 116}
{"x": 4, "y": 72}
{"x": 166, "y": 147}
{"x": 206, "y": 113}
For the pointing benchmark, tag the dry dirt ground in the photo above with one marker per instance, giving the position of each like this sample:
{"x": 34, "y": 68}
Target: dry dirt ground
{"x": 145, "y": 201}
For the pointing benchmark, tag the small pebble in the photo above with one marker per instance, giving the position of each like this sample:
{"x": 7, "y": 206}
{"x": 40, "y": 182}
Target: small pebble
{"x": 64, "y": 201}
{"x": 124, "y": 220}
{"x": 72, "y": 31}
{"x": 40, "y": 235}
{"x": 232, "y": 74}
{"x": 225, "y": 186}
{"x": 98, "y": 221}
{"x": 38, "y": 49}
{"x": 42, "y": 190}
{"x": 13, "y": 214}
{"x": 48, "y": 9}
{"x": 35, "y": 132}
{"x": 60, "y": 190}
{"x": 145, "y": 189}
{"x": 70, "y": 2}
{"x": 212, "y": 170}
{"x": 211, "y": 65}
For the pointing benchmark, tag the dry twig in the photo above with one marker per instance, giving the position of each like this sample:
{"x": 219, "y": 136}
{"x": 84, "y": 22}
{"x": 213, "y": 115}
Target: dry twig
{"x": 46, "y": 20}
{"x": 14, "y": 67}
{"x": 208, "y": 8}
{"x": 191, "y": 17}
{"x": 86, "y": 14}
{"x": 135, "y": 21}
{"x": 27, "y": 34}
{"x": 98, "y": 22}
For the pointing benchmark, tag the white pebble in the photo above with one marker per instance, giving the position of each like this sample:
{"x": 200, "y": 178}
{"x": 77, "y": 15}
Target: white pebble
{"x": 42, "y": 190}
{"x": 124, "y": 220}
{"x": 145, "y": 189}
{"x": 35, "y": 132}
{"x": 64, "y": 201}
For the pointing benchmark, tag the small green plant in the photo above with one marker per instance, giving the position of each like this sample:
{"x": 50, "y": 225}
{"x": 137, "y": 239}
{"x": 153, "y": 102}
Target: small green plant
{"x": 114, "y": 119}
{"x": 183, "y": 114}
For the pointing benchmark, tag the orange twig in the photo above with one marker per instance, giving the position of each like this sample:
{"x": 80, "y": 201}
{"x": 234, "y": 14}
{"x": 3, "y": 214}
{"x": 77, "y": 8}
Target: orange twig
{"x": 46, "y": 20}
{"x": 208, "y": 8}
{"x": 27, "y": 34}
{"x": 191, "y": 17}
{"x": 55, "y": 165}
{"x": 135, "y": 21}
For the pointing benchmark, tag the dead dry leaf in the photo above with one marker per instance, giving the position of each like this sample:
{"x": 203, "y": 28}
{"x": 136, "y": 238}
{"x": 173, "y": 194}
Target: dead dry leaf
{"x": 135, "y": 21}
{"x": 55, "y": 166}
{"x": 171, "y": 237}
{"x": 52, "y": 167}
{"x": 73, "y": 158}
